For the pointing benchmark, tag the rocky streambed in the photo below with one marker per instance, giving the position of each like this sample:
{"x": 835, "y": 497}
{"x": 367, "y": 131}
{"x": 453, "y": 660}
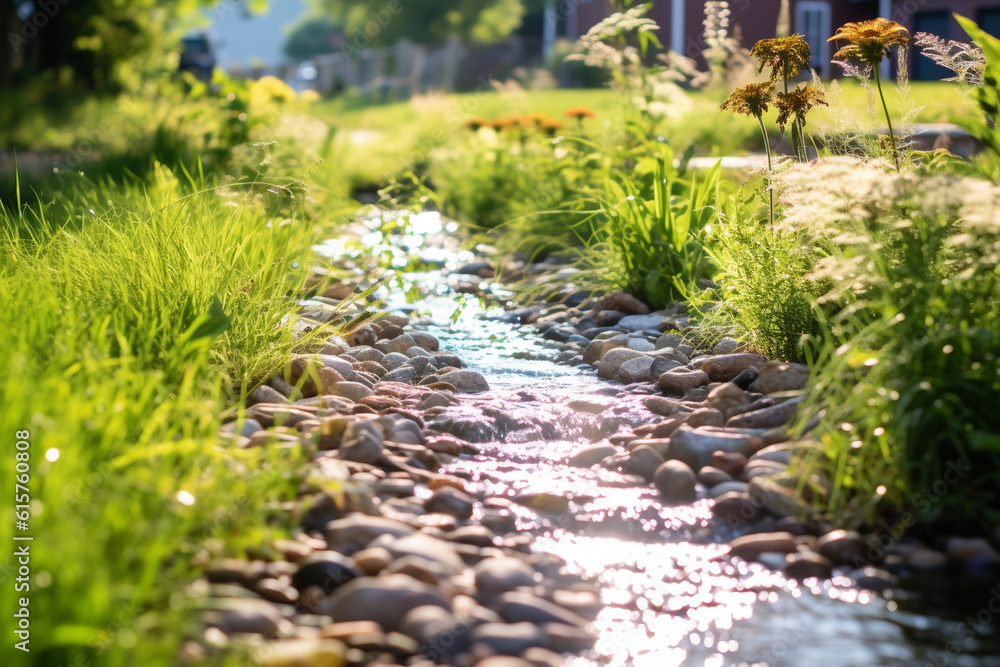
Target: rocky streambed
{"x": 567, "y": 484}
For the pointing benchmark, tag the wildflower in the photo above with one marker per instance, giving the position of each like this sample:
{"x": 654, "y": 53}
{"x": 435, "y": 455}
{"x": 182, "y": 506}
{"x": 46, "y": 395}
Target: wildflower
{"x": 580, "y": 113}
{"x": 786, "y": 56}
{"x": 536, "y": 118}
{"x": 870, "y": 41}
{"x": 550, "y": 126}
{"x": 798, "y": 102}
{"x": 475, "y": 123}
{"x": 750, "y": 100}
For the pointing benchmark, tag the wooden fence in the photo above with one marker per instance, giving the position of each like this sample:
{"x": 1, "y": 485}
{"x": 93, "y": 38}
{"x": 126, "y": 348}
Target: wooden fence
{"x": 406, "y": 69}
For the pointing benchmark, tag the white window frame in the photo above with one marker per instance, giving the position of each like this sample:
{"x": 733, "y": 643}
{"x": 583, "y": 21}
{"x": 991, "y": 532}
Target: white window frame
{"x": 825, "y": 27}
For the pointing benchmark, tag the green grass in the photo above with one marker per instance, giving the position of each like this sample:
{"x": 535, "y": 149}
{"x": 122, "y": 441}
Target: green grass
{"x": 375, "y": 140}
{"x": 133, "y": 317}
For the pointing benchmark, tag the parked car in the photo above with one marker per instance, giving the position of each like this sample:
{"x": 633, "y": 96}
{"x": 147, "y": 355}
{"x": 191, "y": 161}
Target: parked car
{"x": 199, "y": 56}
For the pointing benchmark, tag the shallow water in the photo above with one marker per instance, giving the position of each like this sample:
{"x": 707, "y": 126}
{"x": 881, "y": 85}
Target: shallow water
{"x": 669, "y": 596}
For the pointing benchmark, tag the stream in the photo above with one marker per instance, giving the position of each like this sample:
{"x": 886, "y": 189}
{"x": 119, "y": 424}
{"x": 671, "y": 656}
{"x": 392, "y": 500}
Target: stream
{"x": 669, "y": 595}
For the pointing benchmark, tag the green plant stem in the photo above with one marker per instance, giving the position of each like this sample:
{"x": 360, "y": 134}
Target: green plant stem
{"x": 770, "y": 166}
{"x": 888, "y": 118}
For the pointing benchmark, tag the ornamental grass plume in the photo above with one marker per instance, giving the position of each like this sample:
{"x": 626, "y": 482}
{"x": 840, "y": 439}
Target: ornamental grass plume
{"x": 753, "y": 100}
{"x": 797, "y": 104}
{"x": 870, "y": 43}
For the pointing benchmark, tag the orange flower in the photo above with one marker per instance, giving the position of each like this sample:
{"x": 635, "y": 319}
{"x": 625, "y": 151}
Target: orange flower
{"x": 869, "y": 41}
{"x": 476, "y": 123}
{"x": 550, "y": 126}
{"x": 580, "y": 113}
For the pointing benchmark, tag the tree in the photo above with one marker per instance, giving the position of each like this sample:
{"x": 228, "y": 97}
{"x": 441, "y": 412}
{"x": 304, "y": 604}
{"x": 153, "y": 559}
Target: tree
{"x": 100, "y": 44}
{"x": 384, "y": 22}
{"x": 310, "y": 38}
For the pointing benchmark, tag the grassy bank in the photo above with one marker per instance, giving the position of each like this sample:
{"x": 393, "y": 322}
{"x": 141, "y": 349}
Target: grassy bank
{"x": 134, "y": 315}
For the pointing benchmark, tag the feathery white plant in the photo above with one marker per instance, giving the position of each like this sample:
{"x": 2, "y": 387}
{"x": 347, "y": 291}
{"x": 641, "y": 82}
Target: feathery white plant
{"x": 967, "y": 61}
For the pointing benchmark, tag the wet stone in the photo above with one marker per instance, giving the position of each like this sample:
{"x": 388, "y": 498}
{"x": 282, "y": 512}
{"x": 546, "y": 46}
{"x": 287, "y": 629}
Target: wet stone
{"x": 724, "y": 368}
{"x": 678, "y": 381}
{"x": 384, "y": 600}
{"x": 676, "y": 483}
{"x": 327, "y": 569}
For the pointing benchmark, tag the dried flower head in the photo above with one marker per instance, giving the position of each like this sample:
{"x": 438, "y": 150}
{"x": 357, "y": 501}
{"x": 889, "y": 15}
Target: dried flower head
{"x": 870, "y": 41}
{"x": 798, "y": 103}
{"x": 750, "y": 100}
{"x": 580, "y": 113}
{"x": 786, "y": 56}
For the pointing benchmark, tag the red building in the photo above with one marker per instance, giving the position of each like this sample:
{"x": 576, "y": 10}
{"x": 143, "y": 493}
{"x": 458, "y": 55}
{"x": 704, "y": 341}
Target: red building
{"x": 681, "y": 21}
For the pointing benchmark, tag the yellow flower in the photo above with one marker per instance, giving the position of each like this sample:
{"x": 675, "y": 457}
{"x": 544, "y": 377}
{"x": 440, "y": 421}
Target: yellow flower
{"x": 869, "y": 41}
{"x": 798, "y": 102}
{"x": 786, "y": 56}
{"x": 750, "y": 100}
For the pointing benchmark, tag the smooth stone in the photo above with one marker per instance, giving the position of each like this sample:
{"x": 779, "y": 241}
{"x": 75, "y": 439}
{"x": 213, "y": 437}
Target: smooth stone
{"x": 427, "y": 547}
{"x": 568, "y": 638}
{"x": 612, "y": 361}
{"x": 385, "y": 600}
{"x": 253, "y": 616}
{"x": 368, "y": 354}
{"x": 365, "y": 448}
{"x": 725, "y": 367}
{"x": 776, "y": 498}
{"x": 635, "y": 370}
{"x": 373, "y": 560}
{"x": 842, "y": 547}
{"x": 748, "y": 547}
{"x": 591, "y": 456}
{"x": 720, "y": 490}
{"x": 695, "y": 447}
{"x": 669, "y": 340}
{"x": 425, "y": 341}
{"x": 644, "y": 461}
{"x": 728, "y": 399}
{"x": 640, "y": 344}
{"x": 808, "y": 565}
{"x": 737, "y": 509}
{"x": 398, "y": 344}
{"x": 676, "y": 483}
{"x": 443, "y": 359}
{"x": 972, "y": 551}
{"x": 622, "y": 302}
{"x": 661, "y": 365}
{"x": 499, "y": 575}
{"x": 449, "y": 500}
{"x": 665, "y": 407}
{"x": 730, "y": 463}
{"x": 327, "y": 569}
{"x": 746, "y": 378}
{"x": 466, "y": 381}
{"x": 632, "y": 323}
{"x": 772, "y": 417}
{"x": 710, "y": 476}
{"x": 508, "y": 638}
{"x": 679, "y": 381}
{"x": 726, "y": 346}
{"x": 247, "y": 428}
{"x": 354, "y": 391}
{"x": 403, "y": 374}
{"x": 360, "y": 529}
{"x": 779, "y": 376}
{"x": 418, "y": 352}
{"x": 762, "y": 468}
{"x": 305, "y": 652}
{"x": 427, "y": 622}
{"x": 394, "y": 360}
{"x": 705, "y": 417}
{"x": 517, "y": 607}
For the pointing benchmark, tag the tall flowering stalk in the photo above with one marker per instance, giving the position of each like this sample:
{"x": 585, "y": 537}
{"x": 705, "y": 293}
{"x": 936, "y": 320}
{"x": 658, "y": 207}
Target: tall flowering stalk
{"x": 753, "y": 100}
{"x": 870, "y": 42}
{"x": 787, "y": 57}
